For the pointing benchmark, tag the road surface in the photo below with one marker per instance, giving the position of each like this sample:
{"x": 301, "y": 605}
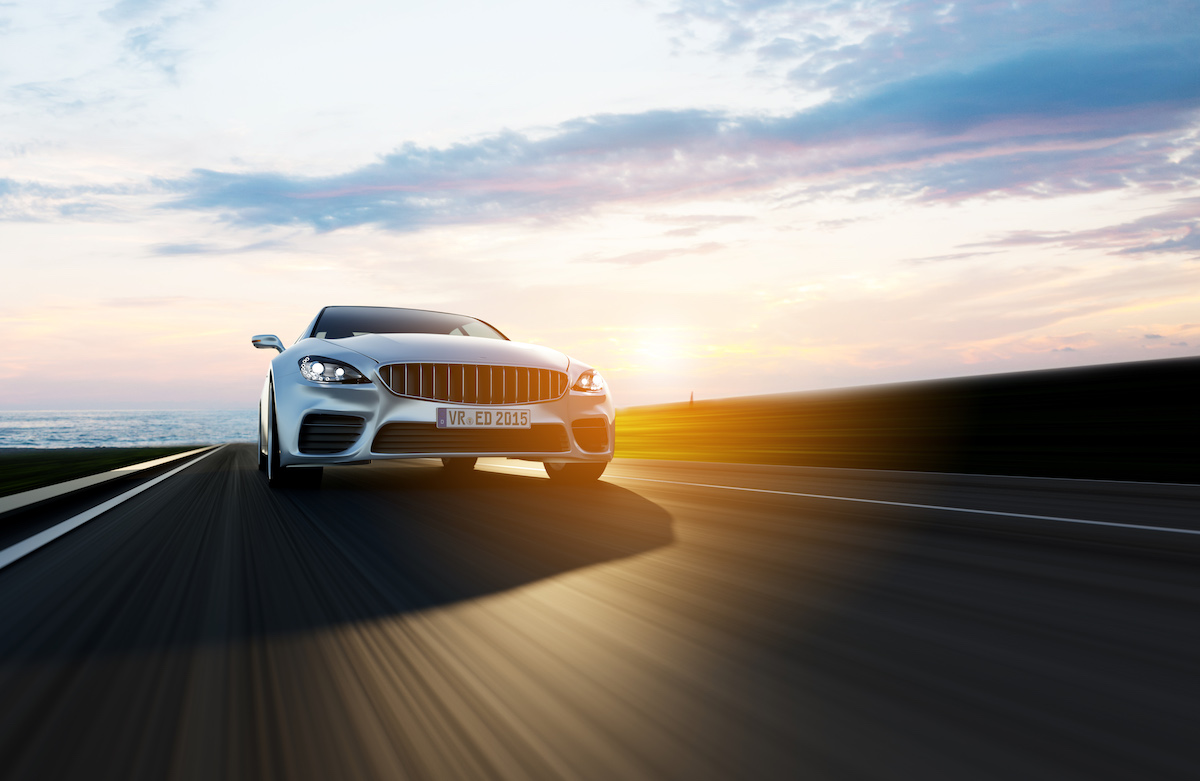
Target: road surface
{"x": 676, "y": 621}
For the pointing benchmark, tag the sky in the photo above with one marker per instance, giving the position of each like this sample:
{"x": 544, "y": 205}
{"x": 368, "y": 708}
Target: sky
{"x": 695, "y": 196}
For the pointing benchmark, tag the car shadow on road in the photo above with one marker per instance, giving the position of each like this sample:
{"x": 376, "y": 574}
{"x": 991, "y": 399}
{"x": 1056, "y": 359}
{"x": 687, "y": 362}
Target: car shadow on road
{"x": 231, "y": 560}
{"x": 429, "y": 539}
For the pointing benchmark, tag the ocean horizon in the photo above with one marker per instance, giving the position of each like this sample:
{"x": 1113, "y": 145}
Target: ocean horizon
{"x": 46, "y": 429}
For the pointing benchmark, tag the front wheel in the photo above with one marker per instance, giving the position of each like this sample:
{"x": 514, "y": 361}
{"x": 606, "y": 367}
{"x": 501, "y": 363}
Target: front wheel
{"x": 279, "y": 476}
{"x": 274, "y": 470}
{"x": 262, "y": 450}
{"x": 575, "y": 474}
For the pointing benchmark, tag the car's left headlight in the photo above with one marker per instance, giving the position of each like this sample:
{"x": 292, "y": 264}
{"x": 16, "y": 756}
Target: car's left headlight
{"x": 319, "y": 369}
{"x": 589, "y": 382}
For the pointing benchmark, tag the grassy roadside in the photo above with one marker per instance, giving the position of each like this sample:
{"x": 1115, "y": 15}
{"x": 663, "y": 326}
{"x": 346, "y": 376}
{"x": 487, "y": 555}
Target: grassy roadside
{"x": 24, "y": 470}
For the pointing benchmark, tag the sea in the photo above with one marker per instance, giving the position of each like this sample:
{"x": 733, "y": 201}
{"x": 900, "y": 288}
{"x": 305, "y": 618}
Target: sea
{"x": 124, "y": 428}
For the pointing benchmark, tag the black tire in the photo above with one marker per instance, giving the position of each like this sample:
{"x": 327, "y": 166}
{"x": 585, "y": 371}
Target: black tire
{"x": 279, "y": 476}
{"x": 262, "y": 451}
{"x": 274, "y": 470}
{"x": 458, "y": 467}
{"x": 575, "y": 474}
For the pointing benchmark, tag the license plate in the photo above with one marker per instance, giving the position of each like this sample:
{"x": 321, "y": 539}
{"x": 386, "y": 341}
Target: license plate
{"x": 482, "y": 418}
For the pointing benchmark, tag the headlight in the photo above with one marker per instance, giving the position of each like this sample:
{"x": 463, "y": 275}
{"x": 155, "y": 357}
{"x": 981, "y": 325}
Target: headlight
{"x": 589, "y": 382}
{"x": 319, "y": 369}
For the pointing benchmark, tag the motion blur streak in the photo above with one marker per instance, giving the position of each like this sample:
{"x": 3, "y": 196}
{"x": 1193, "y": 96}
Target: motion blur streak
{"x": 396, "y": 624}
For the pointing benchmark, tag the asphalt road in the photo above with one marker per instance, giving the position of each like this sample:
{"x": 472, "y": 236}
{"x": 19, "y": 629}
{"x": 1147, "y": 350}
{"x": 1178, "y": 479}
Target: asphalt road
{"x": 675, "y": 621}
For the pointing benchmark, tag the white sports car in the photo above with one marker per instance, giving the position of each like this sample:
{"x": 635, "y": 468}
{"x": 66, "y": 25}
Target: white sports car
{"x": 364, "y": 383}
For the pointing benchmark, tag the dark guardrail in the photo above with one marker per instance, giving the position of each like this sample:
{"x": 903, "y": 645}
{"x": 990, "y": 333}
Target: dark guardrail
{"x": 1133, "y": 421}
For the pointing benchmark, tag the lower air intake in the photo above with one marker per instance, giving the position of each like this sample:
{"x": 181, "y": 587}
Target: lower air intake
{"x": 323, "y": 434}
{"x": 591, "y": 434}
{"x": 428, "y": 438}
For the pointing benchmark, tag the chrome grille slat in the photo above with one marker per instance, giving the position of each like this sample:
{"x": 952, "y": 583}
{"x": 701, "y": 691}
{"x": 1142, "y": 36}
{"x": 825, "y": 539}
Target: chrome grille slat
{"x": 474, "y": 383}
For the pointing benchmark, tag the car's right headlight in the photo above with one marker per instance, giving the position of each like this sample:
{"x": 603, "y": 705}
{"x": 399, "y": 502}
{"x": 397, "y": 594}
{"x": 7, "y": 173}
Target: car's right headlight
{"x": 589, "y": 382}
{"x": 324, "y": 370}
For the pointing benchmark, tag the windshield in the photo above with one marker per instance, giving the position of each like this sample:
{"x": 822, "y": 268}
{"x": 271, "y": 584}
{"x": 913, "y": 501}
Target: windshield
{"x": 338, "y": 322}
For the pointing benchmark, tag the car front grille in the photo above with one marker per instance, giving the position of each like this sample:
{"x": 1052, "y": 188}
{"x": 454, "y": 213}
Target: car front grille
{"x": 404, "y": 437}
{"x": 471, "y": 383}
{"x": 321, "y": 433}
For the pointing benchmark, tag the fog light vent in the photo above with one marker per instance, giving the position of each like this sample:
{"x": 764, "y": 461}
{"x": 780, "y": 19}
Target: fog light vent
{"x": 591, "y": 434}
{"x": 322, "y": 434}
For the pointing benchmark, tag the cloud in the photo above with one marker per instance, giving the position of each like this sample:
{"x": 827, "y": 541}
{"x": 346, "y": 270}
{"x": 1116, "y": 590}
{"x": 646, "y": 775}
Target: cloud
{"x": 56, "y": 98}
{"x": 1043, "y": 84}
{"x": 202, "y": 248}
{"x": 148, "y": 25}
{"x": 31, "y": 201}
{"x": 184, "y": 249}
{"x": 1034, "y": 167}
{"x": 1176, "y": 229}
{"x": 1151, "y": 336}
{"x": 1040, "y": 123}
{"x": 695, "y": 223}
{"x": 1190, "y": 242}
{"x": 946, "y": 258}
{"x": 131, "y": 9}
{"x": 509, "y": 175}
{"x": 980, "y": 303}
{"x": 653, "y": 256}
{"x": 145, "y": 44}
{"x": 781, "y": 48}
{"x": 851, "y": 48}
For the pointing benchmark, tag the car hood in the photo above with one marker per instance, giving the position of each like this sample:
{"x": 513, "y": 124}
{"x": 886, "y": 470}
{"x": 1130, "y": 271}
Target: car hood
{"x": 438, "y": 348}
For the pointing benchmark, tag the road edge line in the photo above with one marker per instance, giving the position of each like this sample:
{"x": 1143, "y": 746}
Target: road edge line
{"x": 934, "y": 473}
{"x": 1024, "y": 516}
{"x": 34, "y": 495}
{"x": 30, "y": 544}
{"x": 973, "y": 511}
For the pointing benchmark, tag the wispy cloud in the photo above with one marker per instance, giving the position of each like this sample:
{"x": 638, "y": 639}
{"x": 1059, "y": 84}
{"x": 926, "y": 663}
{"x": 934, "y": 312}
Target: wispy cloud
{"x": 1189, "y": 242}
{"x": 953, "y": 256}
{"x": 146, "y": 44}
{"x": 31, "y": 201}
{"x": 693, "y": 224}
{"x": 131, "y": 9}
{"x": 643, "y": 257}
{"x": 56, "y": 98}
{"x": 1176, "y": 229}
{"x": 148, "y": 25}
{"x": 1040, "y": 123}
{"x": 204, "y": 248}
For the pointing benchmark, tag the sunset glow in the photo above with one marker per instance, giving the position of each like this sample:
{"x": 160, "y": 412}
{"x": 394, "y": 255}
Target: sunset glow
{"x": 722, "y": 198}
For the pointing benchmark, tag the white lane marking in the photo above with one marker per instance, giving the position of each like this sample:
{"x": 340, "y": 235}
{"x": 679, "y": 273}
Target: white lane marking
{"x": 1054, "y": 518}
{"x": 33, "y": 496}
{"x": 30, "y": 544}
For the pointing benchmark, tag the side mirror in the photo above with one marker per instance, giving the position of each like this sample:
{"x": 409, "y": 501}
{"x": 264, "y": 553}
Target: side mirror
{"x": 267, "y": 342}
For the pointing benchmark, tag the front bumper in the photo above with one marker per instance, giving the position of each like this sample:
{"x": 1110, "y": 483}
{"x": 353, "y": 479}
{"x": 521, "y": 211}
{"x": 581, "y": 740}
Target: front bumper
{"x": 302, "y": 407}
